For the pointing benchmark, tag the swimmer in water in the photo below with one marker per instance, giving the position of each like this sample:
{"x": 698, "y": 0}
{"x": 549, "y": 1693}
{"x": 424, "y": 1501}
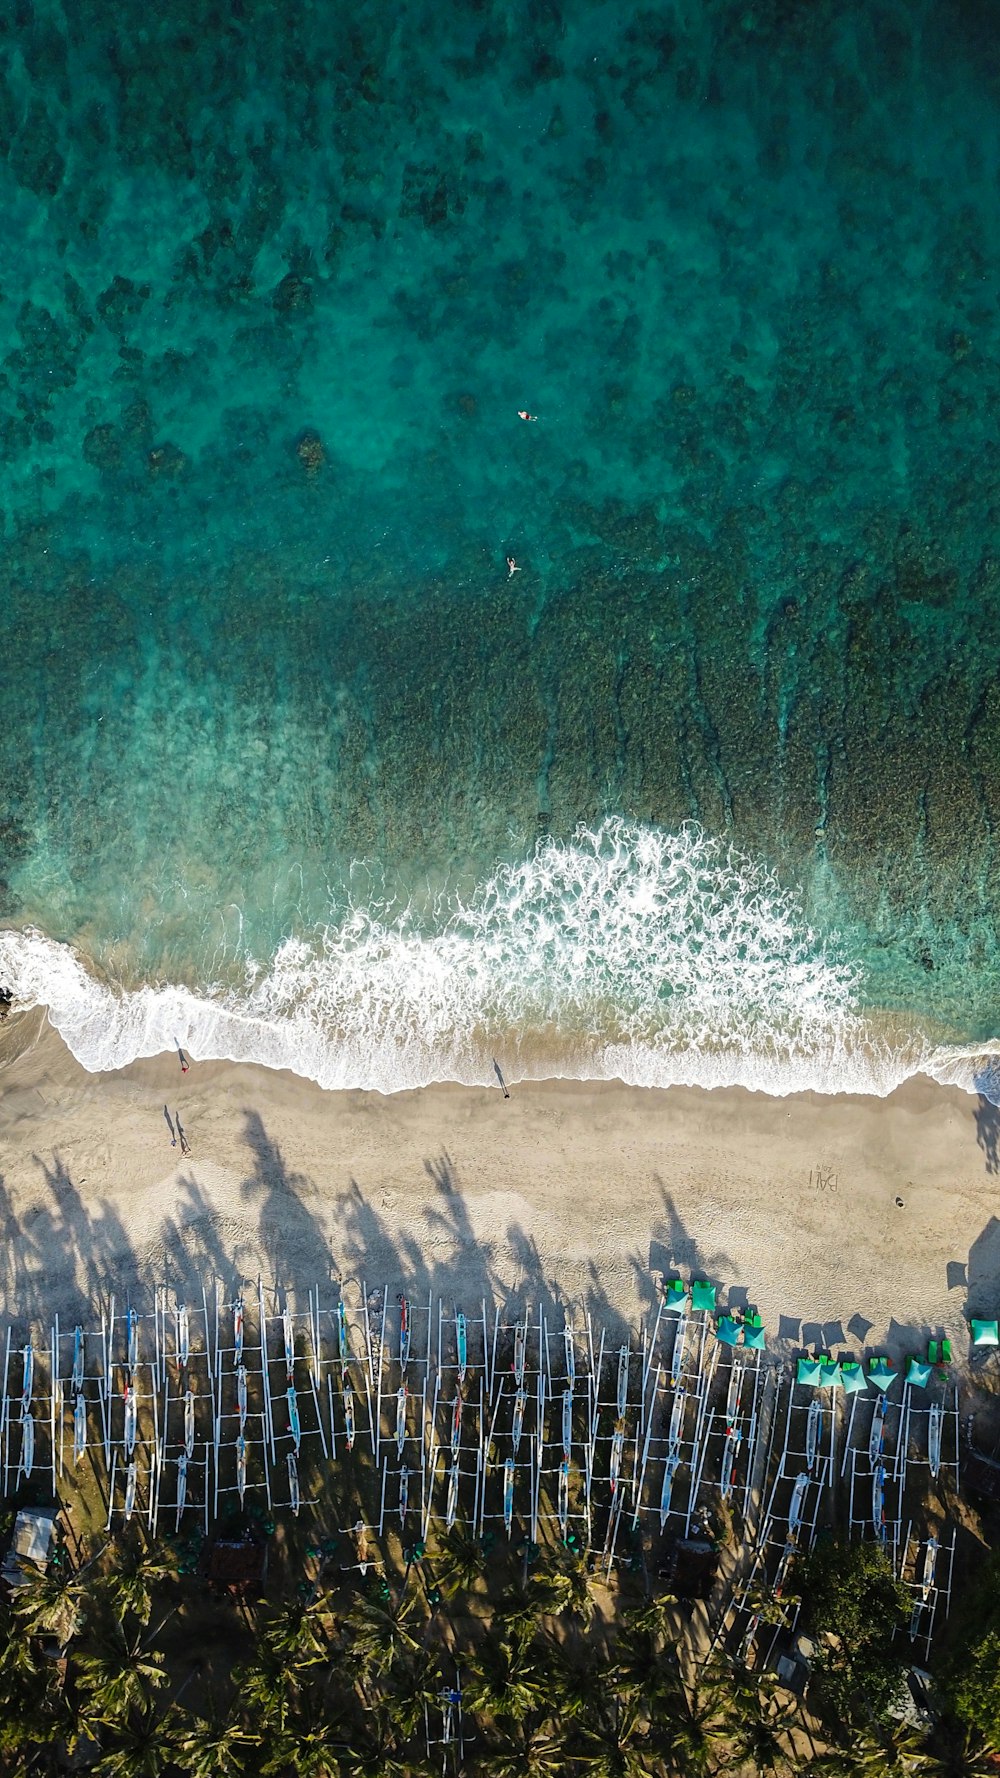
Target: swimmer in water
{"x": 523, "y": 414}
{"x": 512, "y": 567}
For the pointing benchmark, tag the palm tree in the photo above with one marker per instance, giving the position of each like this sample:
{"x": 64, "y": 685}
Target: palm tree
{"x": 51, "y": 1604}
{"x": 534, "y": 1753}
{"x": 300, "y": 1753}
{"x": 958, "y": 1751}
{"x": 688, "y": 1723}
{"x": 215, "y": 1747}
{"x": 297, "y": 1633}
{"x": 461, "y": 1562}
{"x": 143, "y": 1746}
{"x": 618, "y": 1745}
{"x": 380, "y": 1634}
{"x": 508, "y": 1680}
{"x": 131, "y": 1589}
{"x": 116, "y": 1675}
{"x": 759, "y": 1727}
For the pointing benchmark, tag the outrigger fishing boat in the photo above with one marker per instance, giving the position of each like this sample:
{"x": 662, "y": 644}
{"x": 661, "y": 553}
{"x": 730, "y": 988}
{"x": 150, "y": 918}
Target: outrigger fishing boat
{"x": 456, "y": 1425}
{"x": 617, "y": 1450}
{"x": 189, "y": 1422}
{"x": 730, "y": 1450}
{"x": 520, "y": 1403}
{"x": 676, "y": 1426}
{"x": 349, "y": 1413}
{"x": 623, "y": 1361}
{"x": 241, "y": 1466}
{"x": 934, "y": 1424}
{"x": 562, "y": 1507}
{"x": 130, "y": 1484}
{"x": 79, "y": 1427}
{"x": 238, "y": 1323}
{"x": 878, "y": 1500}
{"x": 130, "y": 1419}
{"x": 520, "y": 1347}
{"x": 241, "y": 1394}
{"x": 798, "y": 1501}
{"x": 343, "y": 1333}
{"x": 671, "y": 1467}
{"x": 293, "y": 1484}
{"x": 814, "y": 1424}
{"x": 508, "y": 1494}
{"x": 677, "y": 1355}
{"x": 182, "y": 1472}
{"x": 733, "y": 1394}
{"x": 404, "y": 1333}
{"x": 876, "y": 1437}
{"x": 132, "y": 1339}
{"x": 288, "y": 1337}
{"x": 400, "y": 1419}
{"x": 567, "y": 1423}
{"x": 930, "y": 1567}
{"x": 451, "y": 1506}
{"x": 784, "y": 1564}
{"x": 570, "y": 1355}
{"x": 404, "y": 1494}
{"x": 79, "y": 1360}
{"x": 27, "y": 1373}
{"x": 183, "y": 1334}
{"x": 294, "y": 1423}
{"x": 462, "y": 1344}
{"x": 27, "y": 1441}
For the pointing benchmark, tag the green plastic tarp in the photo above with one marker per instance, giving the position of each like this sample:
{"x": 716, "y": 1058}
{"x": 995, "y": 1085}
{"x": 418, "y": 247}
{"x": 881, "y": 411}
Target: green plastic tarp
{"x": 985, "y": 1333}
{"x": 703, "y": 1296}
{"x": 753, "y": 1337}
{"x": 831, "y": 1376}
{"x": 729, "y": 1331}
{"x": 853, "y": 1378}
{"x": 808, "y": 1371}
{"x": 675, "y": 1299}
{"x": 881, "y": 1373}
{"x": 918, "y": 1373}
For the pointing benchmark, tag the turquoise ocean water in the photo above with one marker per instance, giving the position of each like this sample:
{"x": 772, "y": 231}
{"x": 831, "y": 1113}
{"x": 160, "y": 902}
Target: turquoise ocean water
{"x": 290, "y": 767}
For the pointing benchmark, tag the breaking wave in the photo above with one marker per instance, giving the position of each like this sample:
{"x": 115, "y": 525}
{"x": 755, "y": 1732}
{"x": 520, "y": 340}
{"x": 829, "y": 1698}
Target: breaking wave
{"x": 626, "y": 953}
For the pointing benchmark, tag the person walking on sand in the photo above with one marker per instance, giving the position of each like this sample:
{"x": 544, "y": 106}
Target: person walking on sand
{"x": 170, "y": 1127}
{"x": 523, "y": 414}
{"x": 512, "y": 567}
{"x": 184, "y": 1061}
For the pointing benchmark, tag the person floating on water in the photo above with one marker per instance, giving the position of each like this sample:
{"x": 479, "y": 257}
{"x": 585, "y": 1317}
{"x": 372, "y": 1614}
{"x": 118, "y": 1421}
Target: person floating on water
{"x": 523, "y": 414}
{"x": 512, "y": 567}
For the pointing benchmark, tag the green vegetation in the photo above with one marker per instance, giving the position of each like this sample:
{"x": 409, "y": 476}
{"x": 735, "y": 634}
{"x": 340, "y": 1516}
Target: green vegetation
{"x": 133, "y": 1668}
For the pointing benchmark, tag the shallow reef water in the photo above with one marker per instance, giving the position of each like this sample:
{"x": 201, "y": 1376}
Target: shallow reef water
{"x": 276, "y": 283}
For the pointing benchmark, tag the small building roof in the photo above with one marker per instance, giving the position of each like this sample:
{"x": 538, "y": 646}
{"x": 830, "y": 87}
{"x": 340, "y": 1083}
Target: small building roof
{"x": 28, "y": 1553}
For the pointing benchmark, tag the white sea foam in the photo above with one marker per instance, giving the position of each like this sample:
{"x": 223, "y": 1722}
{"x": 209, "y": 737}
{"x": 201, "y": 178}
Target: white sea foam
{"x": 628, "y": 953}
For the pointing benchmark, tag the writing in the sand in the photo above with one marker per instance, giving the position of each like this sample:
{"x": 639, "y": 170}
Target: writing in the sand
{"x": 823, "y": 1179}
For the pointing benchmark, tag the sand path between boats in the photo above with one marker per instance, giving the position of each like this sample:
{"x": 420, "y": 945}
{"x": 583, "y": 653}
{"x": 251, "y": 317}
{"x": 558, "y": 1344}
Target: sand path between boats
{"x": 566, "y": 1193}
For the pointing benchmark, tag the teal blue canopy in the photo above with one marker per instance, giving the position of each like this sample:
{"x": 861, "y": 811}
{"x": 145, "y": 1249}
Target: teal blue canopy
{"x": 730, "y": 1332}
{"x": 918, "y": 1373}
{"x": 703, "y": 1296}
{"x": 985, "y": 1333}
{"x": 753, "y": 1337}
{"x": 853, "y": 1378}
{"x": 675, "y": 1299}
{"x": 831, "y": 1376}
{"x": 808, "y": 1370}
{"x": 881, "y": 1373}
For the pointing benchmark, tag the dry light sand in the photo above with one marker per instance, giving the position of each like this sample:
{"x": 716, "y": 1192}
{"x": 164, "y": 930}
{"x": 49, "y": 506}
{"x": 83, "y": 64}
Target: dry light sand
{"x": 568, "y": 1192}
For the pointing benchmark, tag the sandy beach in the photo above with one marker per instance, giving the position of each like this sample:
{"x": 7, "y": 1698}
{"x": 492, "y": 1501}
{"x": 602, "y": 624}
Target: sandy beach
{"x": 574, "y": 1192}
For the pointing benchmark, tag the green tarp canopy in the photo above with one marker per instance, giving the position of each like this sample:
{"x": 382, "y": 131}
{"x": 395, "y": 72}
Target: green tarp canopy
{"x": 808, "y": 1370}
{"x": 831, "y": 1375}
{"x": 918, "y": 1373}
{"x": 985, "y": 1333}
{"x": 675, "y": 1299}
{"x": 753, "y": 1336}
{"x": 729, "y": 1331}
{"x": 881, "y": 1373}
{"x": 703, "y": 1296}
{"x": 853, "y": 1378}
